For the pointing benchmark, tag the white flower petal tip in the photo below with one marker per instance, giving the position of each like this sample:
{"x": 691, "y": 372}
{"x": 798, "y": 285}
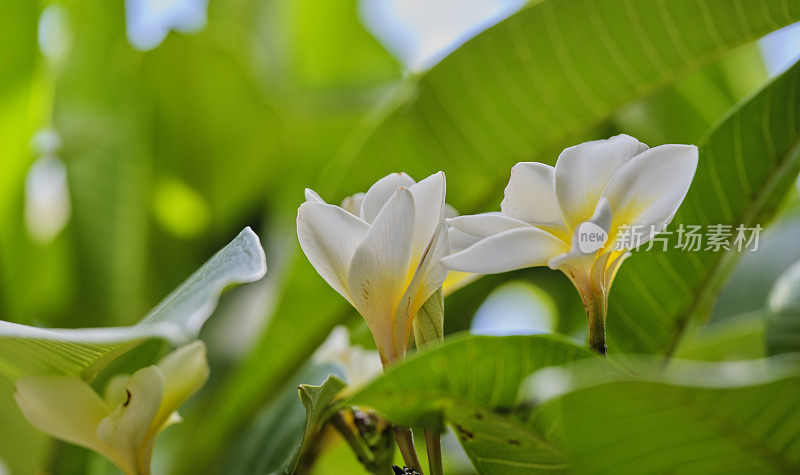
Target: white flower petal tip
{"x": 123, "y": 426}
{"x": 379, "y": 193}
{"x": 381, "y": 250}
{"x": 312, "y": 195}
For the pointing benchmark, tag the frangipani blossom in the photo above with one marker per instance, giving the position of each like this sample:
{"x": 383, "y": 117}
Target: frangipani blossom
{"x": 123, "y": 424}
{"x": 458, "y": 241}
{"x": 595, "y": 189}
{"x": 384, "y": 258}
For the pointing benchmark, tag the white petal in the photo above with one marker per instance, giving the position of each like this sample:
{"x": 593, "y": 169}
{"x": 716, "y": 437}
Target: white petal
{"x": 583, "y": 171}
{"x": 312, "y": 195}
{"x": 509, "y": 250}
{"x": 460, "y": 240}
{"x": 428, "y": 211}
{"x": 649, "y": 189}
{"x": 185, "y": 370}
{"x": 530, "y": 195}
{"x": 65, "y": 407}
{"x": 127, "y": 429}
{"x": 380, "y": 192}
{"x": 428, "y": 277}
{"x": 380, "y": 267}
{"x": 485, "y": 224}
{"x": 449, "y": 211}
{"x": 352, "y": 204}
{"x": 329, "y": 236}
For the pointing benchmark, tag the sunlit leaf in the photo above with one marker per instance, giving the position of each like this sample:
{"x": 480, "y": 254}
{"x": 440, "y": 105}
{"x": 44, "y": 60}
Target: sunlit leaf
{"x": 528, "y": 86}
{"x": 747, "y": 164}
{"x": 692, "y": 419}
{"x": 472, "y": 384}
{"x": 26, "y": 350}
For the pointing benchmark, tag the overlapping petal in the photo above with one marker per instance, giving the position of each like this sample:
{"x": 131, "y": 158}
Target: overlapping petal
{"x": 485, "y": 224}
{"x": 583, "y": 171}
{"x": 530, "y": 195}
{"x": 428, "y": 277}
{"x": 429, "y": 211}
{"x": 380, "y": 267}
{"x": 124, "y": 424}
{"x": 506, "y": 251}
{"x": 329, "y": 237}
{"x": 380, "y": 192}
{"x": 64, "y": 407}
{"x": 648, "y": 190}
{"x": 127, "y": 428}
{"x": 185, "y": 370}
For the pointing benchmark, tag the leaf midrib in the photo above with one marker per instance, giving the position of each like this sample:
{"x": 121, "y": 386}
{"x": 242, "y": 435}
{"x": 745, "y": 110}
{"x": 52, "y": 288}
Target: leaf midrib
{"x": 723, "y": 261}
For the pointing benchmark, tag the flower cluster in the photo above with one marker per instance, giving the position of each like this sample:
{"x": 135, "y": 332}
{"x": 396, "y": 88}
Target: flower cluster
{"x": 388, "y": 250}
{"x": 123, "y": 423}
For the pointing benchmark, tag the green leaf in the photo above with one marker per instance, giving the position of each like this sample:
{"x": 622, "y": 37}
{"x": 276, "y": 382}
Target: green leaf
{"x": 26, "y": 350}
{"x": 735, "y": 338}
{"x": 783, "y": 321}
{"x": 472, "y": 383}
{"x": 318, "y": 403}
{"x": 271, "y": 441}
{"x": 429, "y": 321}
{"x": 712, "y": 418}
{"x": 526, "y": 87}
{"x": 747, "y": 164}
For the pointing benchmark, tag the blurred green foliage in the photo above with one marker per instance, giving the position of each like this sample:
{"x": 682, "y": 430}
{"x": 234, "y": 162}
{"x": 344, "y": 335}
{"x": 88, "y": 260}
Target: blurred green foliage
{"x": 170, "y": 152}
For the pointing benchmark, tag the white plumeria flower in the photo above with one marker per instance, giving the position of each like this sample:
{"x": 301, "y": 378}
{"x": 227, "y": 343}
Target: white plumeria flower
{"x": 359, "y": 365}
{"x": 595, "y": 188}
{"x": 123, "y": 424}
{"x": 385, "y": 259}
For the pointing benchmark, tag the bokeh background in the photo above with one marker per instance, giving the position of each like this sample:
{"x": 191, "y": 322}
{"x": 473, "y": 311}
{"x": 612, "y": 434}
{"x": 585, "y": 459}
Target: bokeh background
{"x": 138, "y": 137}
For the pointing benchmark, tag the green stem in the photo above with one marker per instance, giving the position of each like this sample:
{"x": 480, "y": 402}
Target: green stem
{"x": 596, "y": 314}
{"x": 405, "y": 442}
{"x": 433, "y": 444}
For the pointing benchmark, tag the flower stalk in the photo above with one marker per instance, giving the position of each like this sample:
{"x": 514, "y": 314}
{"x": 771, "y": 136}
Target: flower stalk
{"x": 405, "y": 442}
{"x": 596, "y": 310}
{"x": 433, "y": 443}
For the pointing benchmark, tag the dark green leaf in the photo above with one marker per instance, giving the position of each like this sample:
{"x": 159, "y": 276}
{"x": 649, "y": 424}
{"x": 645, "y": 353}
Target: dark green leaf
{"x": 472, "y": 383}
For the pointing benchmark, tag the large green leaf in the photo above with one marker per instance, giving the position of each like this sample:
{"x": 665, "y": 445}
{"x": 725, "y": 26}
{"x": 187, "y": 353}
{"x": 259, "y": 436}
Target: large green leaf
{"x": 529, "y": 85}
{"x": 740, "y": 417}
{"x": 472, "y": 383}
{"x": 783, "y": 314}
{"x": 26, "y": 350}
{"x": 747, "y": 163}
